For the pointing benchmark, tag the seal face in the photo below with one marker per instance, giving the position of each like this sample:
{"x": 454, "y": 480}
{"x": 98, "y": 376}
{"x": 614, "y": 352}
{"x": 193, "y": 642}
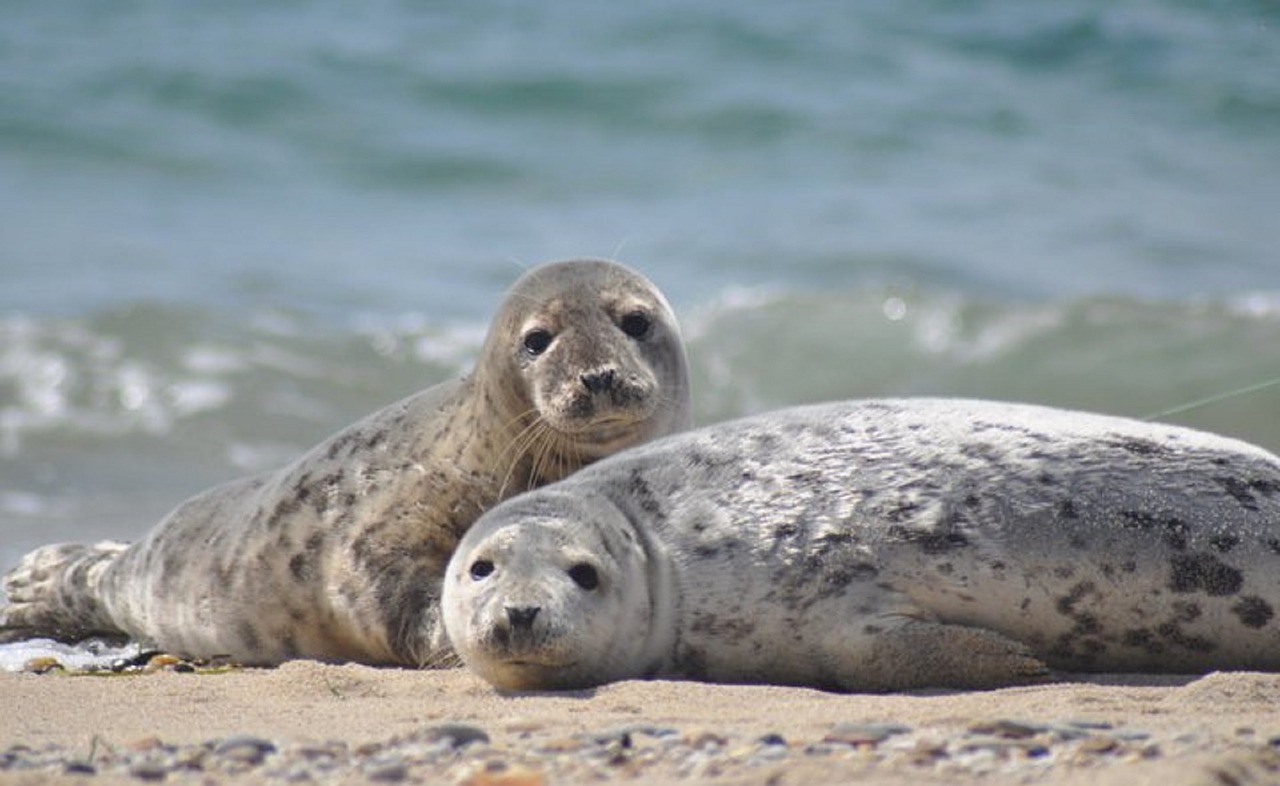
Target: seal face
{"x": 548, "y": 611}
{"x": 882, "y": 545}
{"x": 339, "y": 556}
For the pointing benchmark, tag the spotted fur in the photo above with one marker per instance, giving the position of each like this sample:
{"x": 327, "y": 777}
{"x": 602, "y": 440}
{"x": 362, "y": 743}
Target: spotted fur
{"x": 883, "y": 545}
{"x": 339, "y": 555}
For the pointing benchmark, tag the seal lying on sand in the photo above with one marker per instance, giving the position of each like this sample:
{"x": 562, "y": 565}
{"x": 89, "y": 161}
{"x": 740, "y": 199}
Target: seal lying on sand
{"x": 882, "y": 545}
{"x": 339, "y": 556}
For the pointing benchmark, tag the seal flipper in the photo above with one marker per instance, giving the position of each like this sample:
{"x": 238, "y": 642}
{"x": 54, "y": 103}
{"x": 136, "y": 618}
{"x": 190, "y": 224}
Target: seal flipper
{"x": 922, "y": 654}
{"x": 54, "y": 592}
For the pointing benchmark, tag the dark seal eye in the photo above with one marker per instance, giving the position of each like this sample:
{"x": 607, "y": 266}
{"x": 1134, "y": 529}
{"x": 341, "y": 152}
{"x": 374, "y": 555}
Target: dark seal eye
{"x": 584, "y": 576}
{"x": 636, "y": 324}
{"x": 536, "y": 341}
{"x": 481, "y": 568}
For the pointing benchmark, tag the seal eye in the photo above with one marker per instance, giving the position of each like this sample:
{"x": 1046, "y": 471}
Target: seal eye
{"x": 636, "y": 324}
{"x": 481, "y": 568}
{"x": 584, "y": 576}
{"x": 536, "y": 341}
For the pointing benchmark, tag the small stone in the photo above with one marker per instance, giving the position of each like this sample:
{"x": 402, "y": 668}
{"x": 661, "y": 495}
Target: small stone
{"x": 1009, "y": 729}
{"x": 192, "y": 758}
{"x": 387, "y": 773}
{"x": 1097, "y": 745}
{"x": 79, "y": 768}
{"x": 927, "y": 752}
{"x": 134, "y": 661}
{"x": 641, "y": 729}
{"x": 459, "y": 734}
{"x": 769, "y": 751}
{"x": 864, "y": 734}
{"x": 702, "y": 739}
{"x": 148, "y": 771}
{"x": 161, "y": 662}
{"x": 245, "y": 750}
{"x": 772, "y": 739}
{"x": 42, "y": 665}
{"x": 513, "y": 776}
{"x": 1091, "y": 725}
{"x": 145, "y": 744}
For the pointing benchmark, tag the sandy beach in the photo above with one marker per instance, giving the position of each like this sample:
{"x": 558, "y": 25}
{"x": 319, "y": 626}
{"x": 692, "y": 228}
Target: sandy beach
{"x": 306, "y": 722}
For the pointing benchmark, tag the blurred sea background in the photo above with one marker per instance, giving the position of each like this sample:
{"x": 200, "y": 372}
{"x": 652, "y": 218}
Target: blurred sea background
{"x": 229, "y": 229}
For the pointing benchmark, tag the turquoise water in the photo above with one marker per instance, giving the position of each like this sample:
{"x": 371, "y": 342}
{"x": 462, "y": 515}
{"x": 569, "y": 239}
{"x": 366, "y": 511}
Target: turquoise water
{"x": 226, "y": 230}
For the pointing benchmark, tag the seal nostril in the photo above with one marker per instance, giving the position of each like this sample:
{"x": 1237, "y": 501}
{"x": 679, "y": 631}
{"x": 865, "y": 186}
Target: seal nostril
{"x": 522, "y": 616}
{"x": 599, "y": 381}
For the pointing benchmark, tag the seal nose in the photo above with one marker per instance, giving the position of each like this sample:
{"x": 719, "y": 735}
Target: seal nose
{"x": 599, "y": 381}
{"x": 522, "y": 616}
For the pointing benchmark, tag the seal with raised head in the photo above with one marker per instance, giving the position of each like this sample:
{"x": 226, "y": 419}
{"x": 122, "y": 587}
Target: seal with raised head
{"x": 882, "y": 545}
{"x": 339, "y": 556}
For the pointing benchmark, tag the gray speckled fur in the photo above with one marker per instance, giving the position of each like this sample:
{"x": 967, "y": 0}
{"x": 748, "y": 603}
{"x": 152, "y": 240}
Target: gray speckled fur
{"x": 339, "y": 555}
{"x": 884, "y": 545}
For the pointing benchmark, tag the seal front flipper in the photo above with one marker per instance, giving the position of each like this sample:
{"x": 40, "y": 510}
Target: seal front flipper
{"x": 55, "y": 591}
{"x": 921, "y": 654}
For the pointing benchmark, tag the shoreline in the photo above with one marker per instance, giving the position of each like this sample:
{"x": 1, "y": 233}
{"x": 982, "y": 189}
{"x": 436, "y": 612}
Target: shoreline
{"x": 306, "y": 722}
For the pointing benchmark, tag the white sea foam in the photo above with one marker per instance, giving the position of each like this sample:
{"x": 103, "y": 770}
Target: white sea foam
{"x": 94, "y": 654}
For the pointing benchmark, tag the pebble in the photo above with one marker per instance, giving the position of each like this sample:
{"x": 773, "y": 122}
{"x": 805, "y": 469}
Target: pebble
{"x": 466, "y": 755}
{"x": 79, "y": 768}
{"x": 148, "y": 771}
{"x": 511, "y": 777}
{"x": 460, "y": 735}
{"x": 1099, "y": 744}
{"x": 250, "y": 751}
{"x": 864, "y": 734}
{"x": 392, "y": 772}
{"x": 43, "y": 665}
{"x": 1009, "y": 729}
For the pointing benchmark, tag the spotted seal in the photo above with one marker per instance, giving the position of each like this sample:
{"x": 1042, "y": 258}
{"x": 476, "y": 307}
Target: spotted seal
{"x": 882, "y": 545}
{"x": 339, "y": 555}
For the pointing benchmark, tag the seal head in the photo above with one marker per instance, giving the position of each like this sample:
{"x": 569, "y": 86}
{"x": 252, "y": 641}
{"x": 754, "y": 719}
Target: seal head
{"x": 539, "y": 596}
{"x": 587, "y": 355}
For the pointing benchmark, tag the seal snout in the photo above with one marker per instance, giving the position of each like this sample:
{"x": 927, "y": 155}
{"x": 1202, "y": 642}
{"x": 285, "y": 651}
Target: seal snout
{"x": 601, "y": 380}
{"x": 521, "y": 617}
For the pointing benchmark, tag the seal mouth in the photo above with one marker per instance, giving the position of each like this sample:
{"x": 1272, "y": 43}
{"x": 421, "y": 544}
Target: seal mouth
{"x": 521, "y": 663}
{"x": 609, "y": 430}
{"x": 606, "y": 431}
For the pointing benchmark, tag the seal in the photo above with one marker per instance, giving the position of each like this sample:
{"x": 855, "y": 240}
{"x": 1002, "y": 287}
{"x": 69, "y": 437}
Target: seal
{"x": 339, "y": 556}
{"x": 882, "y": 545}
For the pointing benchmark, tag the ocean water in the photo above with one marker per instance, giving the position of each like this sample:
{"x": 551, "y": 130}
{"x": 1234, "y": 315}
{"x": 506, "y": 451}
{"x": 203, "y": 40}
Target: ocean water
{"x": 227, "y": 230}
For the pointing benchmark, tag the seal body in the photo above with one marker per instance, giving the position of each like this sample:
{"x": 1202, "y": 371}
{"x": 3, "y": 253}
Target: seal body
{"x": 339, "y": 556}
{"x": 882, "y": 545}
